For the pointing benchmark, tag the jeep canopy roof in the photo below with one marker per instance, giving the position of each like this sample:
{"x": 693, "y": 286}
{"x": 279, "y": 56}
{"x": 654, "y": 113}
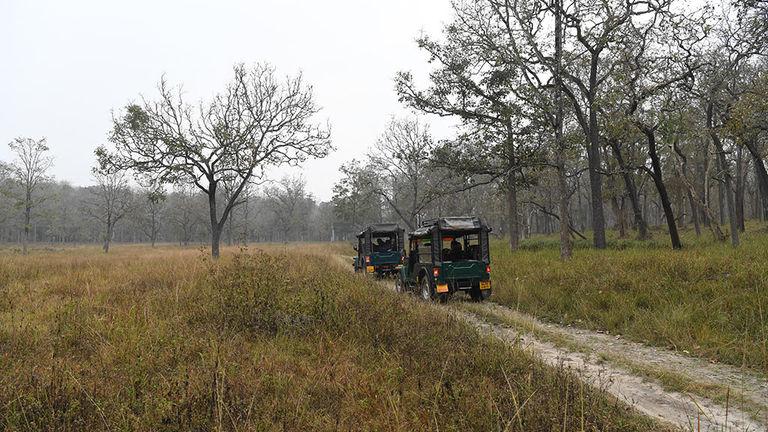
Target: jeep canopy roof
{"x": 448, "y": 224}
{"x": 382, "y": 228}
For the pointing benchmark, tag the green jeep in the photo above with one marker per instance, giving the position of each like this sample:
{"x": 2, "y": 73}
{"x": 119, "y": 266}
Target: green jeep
{"x": 447, "y": 255}
{"x": 380, "y": 249}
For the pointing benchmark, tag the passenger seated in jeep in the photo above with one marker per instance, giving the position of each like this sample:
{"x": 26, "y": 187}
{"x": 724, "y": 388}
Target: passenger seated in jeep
{"x": 456, "y": 250}
{"x": 383, "y": 244}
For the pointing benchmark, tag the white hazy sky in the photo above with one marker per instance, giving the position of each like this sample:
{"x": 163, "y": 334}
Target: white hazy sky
{"x": 67, "y": 64}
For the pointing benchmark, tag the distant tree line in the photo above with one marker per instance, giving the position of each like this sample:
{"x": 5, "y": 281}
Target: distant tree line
{"x": 581, "y": 116}
{"x": 112, "y": 210}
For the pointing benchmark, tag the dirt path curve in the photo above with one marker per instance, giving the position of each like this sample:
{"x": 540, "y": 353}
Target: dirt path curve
{"x": 743, "y": 383}
{"x": 647, "y": 396}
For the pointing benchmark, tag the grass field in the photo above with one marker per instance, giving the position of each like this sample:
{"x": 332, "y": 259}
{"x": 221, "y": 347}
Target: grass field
{"x": 709, "y": 299}
{"x": 164, "y": 339}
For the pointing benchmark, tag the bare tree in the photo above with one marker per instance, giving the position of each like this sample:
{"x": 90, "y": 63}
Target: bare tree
{"x": 400, "y": 159}
{"x": 287, "y": 201}
{"x": 748, "y": 126}
{"x": 30, "y": 170}
{"x": 566, "y": 248}
{"x": 185, "y": 210}
{"x": 111, "y": 200}
{"x": 354, "y": 199}
{"x": 246, "y": 214}
{"x": 595, "y": 30}
{"x": 737, "y": 43}
{"x": 651, "y": 80}
{"x": 257, "y": 122}
{"x": 154, "y": 199}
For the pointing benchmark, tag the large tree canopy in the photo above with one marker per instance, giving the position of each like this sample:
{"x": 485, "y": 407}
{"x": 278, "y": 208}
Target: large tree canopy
{"x": 258, "y": 121}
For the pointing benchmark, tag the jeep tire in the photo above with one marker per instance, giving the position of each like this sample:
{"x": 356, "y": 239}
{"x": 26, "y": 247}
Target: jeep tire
{"x": 426, "y": 292}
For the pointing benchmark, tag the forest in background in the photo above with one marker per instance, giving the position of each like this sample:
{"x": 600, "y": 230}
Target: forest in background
{"x": 580, "y": 117}
{"x": 575, "y": 118}
{"x": 66, "y": 214}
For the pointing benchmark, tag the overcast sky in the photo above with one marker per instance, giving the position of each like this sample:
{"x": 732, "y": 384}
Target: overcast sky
{"x": 67, "y": 64}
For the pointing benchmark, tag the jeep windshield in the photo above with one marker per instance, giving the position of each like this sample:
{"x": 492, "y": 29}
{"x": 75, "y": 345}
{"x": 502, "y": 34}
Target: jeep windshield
{"x": 383, "y": 242}
{"x": 460, "y": 246}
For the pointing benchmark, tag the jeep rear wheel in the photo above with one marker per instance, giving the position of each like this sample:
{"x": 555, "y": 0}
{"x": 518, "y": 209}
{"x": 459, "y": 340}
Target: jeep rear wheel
{"x": 399, "y": 287}
{"x": 425, "y": 289}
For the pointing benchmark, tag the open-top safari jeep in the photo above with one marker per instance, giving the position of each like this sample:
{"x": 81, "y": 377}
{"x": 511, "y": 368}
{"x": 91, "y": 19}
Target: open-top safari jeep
{"x": 380, "y": 249}
{"x": 447, "y": 255}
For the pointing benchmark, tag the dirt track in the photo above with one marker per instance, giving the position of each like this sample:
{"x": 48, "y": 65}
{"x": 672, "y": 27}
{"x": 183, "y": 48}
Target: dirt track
{"x": 743, "y": 383}
{"x": 649, "y": 397}
{"x": 594, "y": 357}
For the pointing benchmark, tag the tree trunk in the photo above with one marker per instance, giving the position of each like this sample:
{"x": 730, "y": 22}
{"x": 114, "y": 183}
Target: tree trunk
{"x": 725, "y": 169}
{"x": 579, "y": 203}
{"x": 215, "y": 241}
{"x": 245, "y": 225}
{"x": 25, "y": 240}
{"x": 593, "y": 158}
{"x": 108, "y": 236}
{"x": 720, "y": 192}
{"x": 757, "y": 206}
{"x": 658, "y": 180}
{"x": 229, "y": 230}
{"x": 513, "y": 223}
{"x": 642, "y": 227}
{"x": 739, "y": 198}
{"x": 729, "y": 199}
{"x": 702, "y": 172}
{"x": 694, "y": 213}
{"x": 27, "y": 220}
{"x": 214, "y": 219}
{"x": 761, "y": 174}
{"x": 690, "y": 190}
{"x": 566, "y": 248}
{"x": 717, "y": 233}
{"x": 618, "y": 211}
{"x": 596, "y": 183}
{"x": 681, "y": 211}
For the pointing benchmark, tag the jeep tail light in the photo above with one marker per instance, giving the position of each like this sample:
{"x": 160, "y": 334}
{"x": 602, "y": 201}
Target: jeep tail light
{"x": 436, "y": 272}
{"x": 488, "y": 269}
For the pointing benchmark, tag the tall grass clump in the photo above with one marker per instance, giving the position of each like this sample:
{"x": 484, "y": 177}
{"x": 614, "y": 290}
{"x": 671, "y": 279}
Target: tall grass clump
{"x": 279, "y": 340}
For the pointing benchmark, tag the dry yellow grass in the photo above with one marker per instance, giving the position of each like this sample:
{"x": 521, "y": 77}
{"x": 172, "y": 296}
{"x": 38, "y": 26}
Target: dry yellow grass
{"x": 272, "y": 338}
